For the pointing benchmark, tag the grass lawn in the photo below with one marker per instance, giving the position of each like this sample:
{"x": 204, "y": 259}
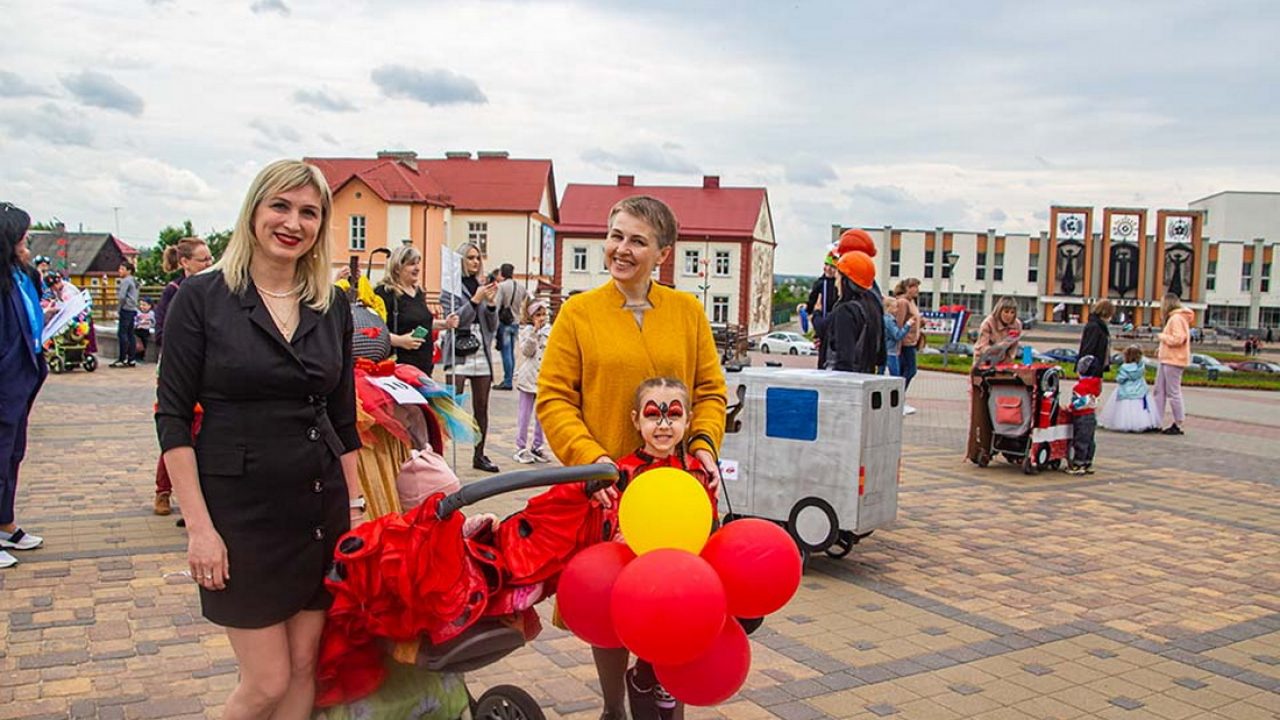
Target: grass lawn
{"x": 1248, "y": 381}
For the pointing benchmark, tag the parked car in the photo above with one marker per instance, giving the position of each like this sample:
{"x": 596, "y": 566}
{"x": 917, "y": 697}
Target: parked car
{"x": 787, "y": 343}
{"x": 957, "y": 348}
{"x": 1255, "y": 366}
{"x": 1206, "y": 363}
{"x": 1117, "y": 359}
{"x": 930, "y": 350}
{"x": 1062, "y": 355}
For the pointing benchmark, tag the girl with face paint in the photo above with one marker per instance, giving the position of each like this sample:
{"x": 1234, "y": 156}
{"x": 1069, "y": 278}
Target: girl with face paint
{"x": 661, "y": 416}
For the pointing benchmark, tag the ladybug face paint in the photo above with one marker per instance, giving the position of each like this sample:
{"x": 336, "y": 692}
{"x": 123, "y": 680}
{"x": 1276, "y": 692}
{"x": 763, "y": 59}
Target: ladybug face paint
{"x": 661, "y": 420}
{"x": 663, "y": 412}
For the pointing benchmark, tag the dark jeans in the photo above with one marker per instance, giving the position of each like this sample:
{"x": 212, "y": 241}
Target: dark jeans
{"x": 507, "y": 335}
{"x": 124, "y": 333}
{"x": 1083, "y": 427}
{"x": 907, "y": 365}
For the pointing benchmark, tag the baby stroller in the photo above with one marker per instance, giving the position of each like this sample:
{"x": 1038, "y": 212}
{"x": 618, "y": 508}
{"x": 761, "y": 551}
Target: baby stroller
{"x": 428, "y": 684}
{"x": 1015, "y": 412}
{"x": 70, "y": 349}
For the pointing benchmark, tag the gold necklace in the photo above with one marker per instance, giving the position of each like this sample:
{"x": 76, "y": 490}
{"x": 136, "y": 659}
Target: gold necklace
{"x": 280, "y": 296}
{"x": 284, "y": 326}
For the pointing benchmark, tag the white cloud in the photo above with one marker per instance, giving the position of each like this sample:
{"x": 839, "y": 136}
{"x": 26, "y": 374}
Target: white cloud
{"x": 154, "y": 176}
{"x": 640, "y": 157}
{"x": 268, "y": 6}
{"x": 48, "y": 122}
{"x": 101, "y": 90}
{"x": 12, "y": 85}
{"x": 437, "y": 86}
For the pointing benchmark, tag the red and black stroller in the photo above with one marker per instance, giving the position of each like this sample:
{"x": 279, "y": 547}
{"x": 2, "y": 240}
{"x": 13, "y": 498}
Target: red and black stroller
{"x": 418, "y": 601}
{"x": 1014, "y": 412}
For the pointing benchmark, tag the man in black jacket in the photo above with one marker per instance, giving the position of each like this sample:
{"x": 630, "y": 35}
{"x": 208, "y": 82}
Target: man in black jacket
{"x": 822, "y": 300}
{"x": 1096, "y": 339}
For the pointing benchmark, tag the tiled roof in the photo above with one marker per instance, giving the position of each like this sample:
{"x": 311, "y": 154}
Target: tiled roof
{"x": 721, "y": 211}
{"x": 83, "y": 249}
{"x": 484, "y": 184}
{"x": 490, "y": 183}
{"x": 391, "y": 179}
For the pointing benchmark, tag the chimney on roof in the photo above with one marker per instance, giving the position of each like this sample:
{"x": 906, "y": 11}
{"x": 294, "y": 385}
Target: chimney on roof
{"x": 626, "y": 181}
{"x": 710, "y": 181}
{"x": 408, "y": 158}
{"x": 493, "y": 154}
{"x": 458, "y": 155}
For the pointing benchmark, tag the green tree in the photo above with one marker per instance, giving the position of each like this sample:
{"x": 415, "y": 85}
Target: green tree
{"x": 151, "y": 261}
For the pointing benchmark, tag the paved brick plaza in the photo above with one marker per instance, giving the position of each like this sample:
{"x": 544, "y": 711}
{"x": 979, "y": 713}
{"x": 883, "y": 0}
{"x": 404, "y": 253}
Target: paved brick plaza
{"x": 1148, "y": 590}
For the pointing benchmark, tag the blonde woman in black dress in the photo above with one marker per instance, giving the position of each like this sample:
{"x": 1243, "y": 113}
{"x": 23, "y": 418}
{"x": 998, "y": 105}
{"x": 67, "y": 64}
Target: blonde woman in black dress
{"x": 262, "y": 342}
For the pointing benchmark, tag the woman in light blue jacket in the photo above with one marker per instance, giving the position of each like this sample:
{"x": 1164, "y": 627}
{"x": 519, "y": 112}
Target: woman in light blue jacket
{"x": 893, "y": 335}
{"x": 1130, "y": 408}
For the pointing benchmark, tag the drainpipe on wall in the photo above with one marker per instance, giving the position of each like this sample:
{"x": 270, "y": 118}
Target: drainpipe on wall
{"x": 988, "y": 285}
{"x": 1255, "y": 285}
{"x": 938, "y": 254}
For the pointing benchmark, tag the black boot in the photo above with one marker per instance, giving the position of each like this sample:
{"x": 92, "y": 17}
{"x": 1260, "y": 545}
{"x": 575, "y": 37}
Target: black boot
{"x": 482, "y": 462}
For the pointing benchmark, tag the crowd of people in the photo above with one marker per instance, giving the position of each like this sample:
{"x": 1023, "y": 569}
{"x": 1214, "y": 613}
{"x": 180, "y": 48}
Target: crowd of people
{"x": 256, "y": 408}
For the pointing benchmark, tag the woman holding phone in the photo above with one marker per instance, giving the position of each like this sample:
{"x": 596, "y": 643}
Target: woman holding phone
{"x": 408, "y": 317}
{"x": 469, "y": 347}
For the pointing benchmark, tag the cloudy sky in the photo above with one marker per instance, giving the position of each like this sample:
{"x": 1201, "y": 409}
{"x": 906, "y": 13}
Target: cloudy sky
{"x": 969, "y": 115}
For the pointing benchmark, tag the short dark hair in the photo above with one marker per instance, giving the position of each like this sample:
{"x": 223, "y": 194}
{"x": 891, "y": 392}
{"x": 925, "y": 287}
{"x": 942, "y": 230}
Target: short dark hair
{"x": 507, "y": 269}
{"x": 14, "y": 222}
{"x": 127, "y": 265}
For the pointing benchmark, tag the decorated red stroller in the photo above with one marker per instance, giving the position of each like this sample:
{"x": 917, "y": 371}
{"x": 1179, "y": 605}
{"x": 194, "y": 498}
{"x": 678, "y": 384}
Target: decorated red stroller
{"x": 418, "y": 602}
{"x": 1014, "y": 412}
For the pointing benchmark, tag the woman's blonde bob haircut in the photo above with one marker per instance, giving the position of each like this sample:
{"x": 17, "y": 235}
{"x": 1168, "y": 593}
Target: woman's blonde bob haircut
{"x": 312, "y": 272}
{"x": 401, "y": 256}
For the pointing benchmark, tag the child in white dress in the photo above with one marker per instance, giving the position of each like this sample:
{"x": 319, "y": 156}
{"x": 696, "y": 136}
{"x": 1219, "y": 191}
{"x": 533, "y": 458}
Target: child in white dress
{"x": 1130, "y": 408}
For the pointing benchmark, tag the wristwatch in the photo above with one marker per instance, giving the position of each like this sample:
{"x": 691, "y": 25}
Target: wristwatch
{"x": 358, "y": 503}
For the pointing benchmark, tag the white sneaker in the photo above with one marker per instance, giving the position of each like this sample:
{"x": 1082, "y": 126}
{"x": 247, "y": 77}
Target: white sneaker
{"x": 20, "y": 540}
{"x": 908, "y": 410}
{"x": 7, "y": 560}
{"x": 524, "y": 457}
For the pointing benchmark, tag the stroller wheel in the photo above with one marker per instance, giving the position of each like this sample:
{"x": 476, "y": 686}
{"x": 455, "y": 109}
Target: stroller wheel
{"x": 1029, "y": 465}
{"x": 56, "y": 366}
{"x": 984, "y": 459}
{"x": 90, "y": 363}
{"x": 507, "y": 702}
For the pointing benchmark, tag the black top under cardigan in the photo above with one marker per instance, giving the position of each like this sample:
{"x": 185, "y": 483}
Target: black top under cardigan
{"x": 278, "y": 415}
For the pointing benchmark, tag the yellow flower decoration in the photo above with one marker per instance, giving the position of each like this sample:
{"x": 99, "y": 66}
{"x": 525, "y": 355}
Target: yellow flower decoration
{"x": 366, "y": 295}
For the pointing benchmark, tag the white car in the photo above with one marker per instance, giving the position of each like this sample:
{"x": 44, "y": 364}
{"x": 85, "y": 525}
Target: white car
{"x": 786, "y": 343}
{"x": 1205, "y": 363}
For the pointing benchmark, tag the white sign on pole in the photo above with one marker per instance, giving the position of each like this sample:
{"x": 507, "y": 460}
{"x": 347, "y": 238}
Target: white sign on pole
{"x": 450, "y": 272}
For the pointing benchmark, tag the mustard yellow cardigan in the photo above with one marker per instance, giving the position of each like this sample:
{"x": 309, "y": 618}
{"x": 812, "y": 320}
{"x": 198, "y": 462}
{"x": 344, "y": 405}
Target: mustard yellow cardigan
{"x": 597, "y": 356}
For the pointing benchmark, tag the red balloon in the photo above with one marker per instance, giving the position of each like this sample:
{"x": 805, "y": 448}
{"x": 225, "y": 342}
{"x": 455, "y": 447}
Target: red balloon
{"x": 758, "y": 563}
{"x": 714, "y": 676}
{"x": 668, "y": 606}
{"x": 585, "y": 589}
{"x": 856, "y": 239}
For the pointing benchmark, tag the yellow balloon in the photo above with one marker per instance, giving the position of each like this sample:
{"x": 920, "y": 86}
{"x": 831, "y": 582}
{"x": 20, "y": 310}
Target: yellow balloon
{"x": 665, "y": 508}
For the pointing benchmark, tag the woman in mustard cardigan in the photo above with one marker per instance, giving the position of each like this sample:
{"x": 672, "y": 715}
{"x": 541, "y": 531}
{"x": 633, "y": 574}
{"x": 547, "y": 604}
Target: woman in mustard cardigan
{"x": 608, "y": 340}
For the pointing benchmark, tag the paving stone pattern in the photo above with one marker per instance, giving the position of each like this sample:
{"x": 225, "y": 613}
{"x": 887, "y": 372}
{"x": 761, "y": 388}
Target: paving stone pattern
{"x": 1147, "y": 590}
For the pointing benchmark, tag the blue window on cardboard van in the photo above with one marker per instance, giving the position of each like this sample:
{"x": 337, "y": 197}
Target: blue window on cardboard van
{"x": 791, "y": 413}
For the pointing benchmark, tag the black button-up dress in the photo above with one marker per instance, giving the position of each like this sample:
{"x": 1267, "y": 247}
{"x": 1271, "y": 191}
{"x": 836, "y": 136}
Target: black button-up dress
{"x": 277, "y": 417}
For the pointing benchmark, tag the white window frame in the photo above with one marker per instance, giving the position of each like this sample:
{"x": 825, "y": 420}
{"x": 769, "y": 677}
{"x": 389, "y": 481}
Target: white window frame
{"x": 720, "y": 309}
{"x": 724, "y": 263}
{"x": 998, "y": 270}
{"x": 478, "y": 233}
{"x": 1033, "y": 268}
{"x": 1246, "y": 276}
{"x": 1211, "y": 276}
{"x": 357, "y": 232}
{"x": 692, "y": 261}
{"x": 578, "y": 259}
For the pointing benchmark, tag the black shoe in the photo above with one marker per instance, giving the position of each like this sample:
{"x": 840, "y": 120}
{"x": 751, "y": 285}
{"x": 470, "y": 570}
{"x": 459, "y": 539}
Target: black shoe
{"x": 131, "y": 364}
{"x": 1172, "y": 430}
{"x": 502, "y": 386}
{"x": 483, "y": 463}
{"x": 118, "y": 363}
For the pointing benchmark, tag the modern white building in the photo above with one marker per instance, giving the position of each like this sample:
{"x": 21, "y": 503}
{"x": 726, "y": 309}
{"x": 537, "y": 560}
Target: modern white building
{"x": 1240, "y": 276}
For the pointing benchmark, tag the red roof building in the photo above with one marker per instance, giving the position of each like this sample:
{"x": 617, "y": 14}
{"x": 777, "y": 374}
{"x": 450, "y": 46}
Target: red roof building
{"x": 506, "y": 206}
{"x": 724, "y": 253}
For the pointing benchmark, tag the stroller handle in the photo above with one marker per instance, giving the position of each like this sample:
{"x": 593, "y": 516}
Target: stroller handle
{"x": 523, "y": 479}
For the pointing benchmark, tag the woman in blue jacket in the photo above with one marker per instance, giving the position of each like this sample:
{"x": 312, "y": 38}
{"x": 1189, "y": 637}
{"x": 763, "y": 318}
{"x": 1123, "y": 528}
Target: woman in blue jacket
{"x": 21, "y": 365}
